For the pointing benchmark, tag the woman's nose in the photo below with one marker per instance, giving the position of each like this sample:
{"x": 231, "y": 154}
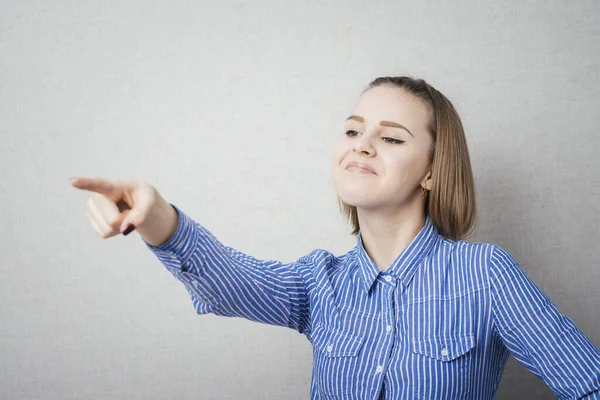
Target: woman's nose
{"x": 363, "y": 145}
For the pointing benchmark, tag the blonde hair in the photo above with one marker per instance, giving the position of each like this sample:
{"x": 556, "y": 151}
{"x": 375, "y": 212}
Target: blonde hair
{"x": 450, "y": 203}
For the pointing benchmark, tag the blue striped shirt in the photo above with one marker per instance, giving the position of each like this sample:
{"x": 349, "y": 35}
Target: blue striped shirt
{"x": 439, "y": 323}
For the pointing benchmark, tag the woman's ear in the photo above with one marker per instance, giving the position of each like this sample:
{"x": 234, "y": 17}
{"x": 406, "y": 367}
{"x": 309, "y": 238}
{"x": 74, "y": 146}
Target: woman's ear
{"x": 427, "y": 182}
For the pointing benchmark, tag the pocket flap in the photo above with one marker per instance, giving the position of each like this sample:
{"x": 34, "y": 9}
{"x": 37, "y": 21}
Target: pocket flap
{"x": 444, "y": 348}
{"x": 334, "y": 342}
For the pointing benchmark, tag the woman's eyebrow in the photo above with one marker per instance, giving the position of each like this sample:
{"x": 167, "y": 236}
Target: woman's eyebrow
{"x": 382, "y": 123}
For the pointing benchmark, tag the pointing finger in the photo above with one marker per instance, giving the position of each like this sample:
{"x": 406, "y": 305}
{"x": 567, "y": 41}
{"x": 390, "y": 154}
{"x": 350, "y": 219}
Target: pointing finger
{"x": 106, "y": 187}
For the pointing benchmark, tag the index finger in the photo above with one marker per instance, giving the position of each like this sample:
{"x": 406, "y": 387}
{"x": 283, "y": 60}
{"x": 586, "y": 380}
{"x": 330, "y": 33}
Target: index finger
{"x": 107, "y": 187}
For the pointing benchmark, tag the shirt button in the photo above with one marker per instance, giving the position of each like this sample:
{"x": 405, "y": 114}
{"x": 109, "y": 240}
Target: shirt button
{"x": 388, "y": 328}
{"x": 379, "y": 368}
{"x": 329, "y": 348}
{"x": 444, "y": 352}
{"x": 388, "y": 278}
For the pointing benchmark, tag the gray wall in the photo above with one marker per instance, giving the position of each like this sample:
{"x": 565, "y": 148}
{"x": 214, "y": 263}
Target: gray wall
{"x": 230, "y": 110}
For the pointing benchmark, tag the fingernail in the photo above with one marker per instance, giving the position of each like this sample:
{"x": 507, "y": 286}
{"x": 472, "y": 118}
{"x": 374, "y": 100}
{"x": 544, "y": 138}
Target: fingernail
{"x": 128, "y": 230}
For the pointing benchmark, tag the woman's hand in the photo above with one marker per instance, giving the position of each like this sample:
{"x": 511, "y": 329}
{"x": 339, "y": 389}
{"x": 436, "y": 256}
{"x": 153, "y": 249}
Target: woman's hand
{"x": 119, "y": 206}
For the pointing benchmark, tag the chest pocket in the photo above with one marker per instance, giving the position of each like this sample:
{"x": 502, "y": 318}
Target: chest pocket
{"x": 336, "y": 360}
{"x": 444, "y": 366}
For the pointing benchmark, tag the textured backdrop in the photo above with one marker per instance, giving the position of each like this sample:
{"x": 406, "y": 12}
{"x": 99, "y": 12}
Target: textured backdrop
{"x": 230, "y": 109}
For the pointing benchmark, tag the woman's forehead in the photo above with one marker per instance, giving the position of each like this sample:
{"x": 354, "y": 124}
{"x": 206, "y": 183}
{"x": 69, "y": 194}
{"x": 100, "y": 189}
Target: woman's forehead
{"x": 391, "y": 104}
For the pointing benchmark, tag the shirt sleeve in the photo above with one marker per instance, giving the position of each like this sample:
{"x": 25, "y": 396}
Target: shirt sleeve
{"x": 543, "y": 340}
{"x": 227, "y": 282}
{"x": 592, "y": 396}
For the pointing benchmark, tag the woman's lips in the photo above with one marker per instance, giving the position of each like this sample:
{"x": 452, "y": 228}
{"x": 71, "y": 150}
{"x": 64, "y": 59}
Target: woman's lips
{"x": 360, "y": 170}
{"x": 360, "y": 167}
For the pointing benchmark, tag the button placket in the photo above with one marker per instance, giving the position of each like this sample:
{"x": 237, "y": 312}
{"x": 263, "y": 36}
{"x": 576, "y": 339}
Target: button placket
{"x": 394, "y": 320}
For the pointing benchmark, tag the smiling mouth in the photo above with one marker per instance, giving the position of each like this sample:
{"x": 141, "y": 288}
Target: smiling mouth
{"x": 360, "y": 170}
{"x": 360, "y": 167}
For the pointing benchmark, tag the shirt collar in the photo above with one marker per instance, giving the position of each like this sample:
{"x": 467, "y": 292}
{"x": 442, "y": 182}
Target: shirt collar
{"x": 405, "y": 264}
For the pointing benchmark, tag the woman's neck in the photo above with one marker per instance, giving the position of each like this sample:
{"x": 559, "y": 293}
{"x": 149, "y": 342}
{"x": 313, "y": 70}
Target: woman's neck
{"x": 384, "y": 236}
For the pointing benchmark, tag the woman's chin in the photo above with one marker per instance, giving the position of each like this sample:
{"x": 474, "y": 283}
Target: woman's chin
{"x": 357, "y": 200}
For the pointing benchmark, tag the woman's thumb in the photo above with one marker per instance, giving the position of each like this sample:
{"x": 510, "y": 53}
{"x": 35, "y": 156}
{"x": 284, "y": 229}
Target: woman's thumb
{"x": 143, "y": 198}
{"x": 129, "y": 222}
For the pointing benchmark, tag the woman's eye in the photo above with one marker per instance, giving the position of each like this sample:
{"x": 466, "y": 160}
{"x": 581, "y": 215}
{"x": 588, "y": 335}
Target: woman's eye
{"x": 353, "y": 133}
{"x": 392, "y": 140}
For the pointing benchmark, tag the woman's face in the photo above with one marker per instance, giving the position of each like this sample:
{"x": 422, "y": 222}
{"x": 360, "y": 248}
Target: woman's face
{"x": 387, "y": 133}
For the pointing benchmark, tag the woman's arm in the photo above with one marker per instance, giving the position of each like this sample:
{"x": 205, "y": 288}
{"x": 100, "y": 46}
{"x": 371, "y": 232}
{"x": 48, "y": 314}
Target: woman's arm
{"x": 226, "y": 282}
{"x": 542, "y": 339}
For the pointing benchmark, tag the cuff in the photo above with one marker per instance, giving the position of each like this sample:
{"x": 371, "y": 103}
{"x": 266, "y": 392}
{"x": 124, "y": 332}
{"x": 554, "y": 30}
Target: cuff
{"x": 182, "y": 244}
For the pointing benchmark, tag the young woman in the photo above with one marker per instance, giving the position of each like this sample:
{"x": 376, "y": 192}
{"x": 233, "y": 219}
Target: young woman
{"x": 413, "y": 311}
